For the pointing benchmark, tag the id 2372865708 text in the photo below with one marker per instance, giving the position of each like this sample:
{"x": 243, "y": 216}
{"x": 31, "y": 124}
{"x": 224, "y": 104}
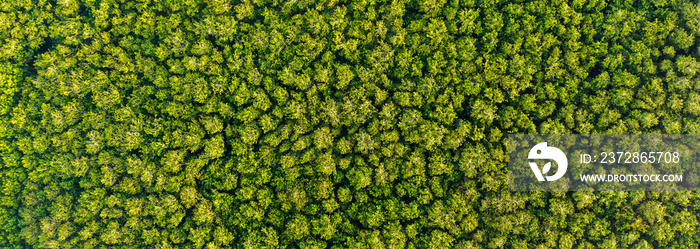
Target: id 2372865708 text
{"x": 627, "y": 157}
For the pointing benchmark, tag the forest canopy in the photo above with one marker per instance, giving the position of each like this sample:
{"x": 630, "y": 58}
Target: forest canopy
{"x": 332, "y": 124}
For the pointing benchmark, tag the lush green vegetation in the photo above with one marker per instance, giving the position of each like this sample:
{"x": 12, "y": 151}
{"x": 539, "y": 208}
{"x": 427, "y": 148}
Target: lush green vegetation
{"x": 331, "y": 124}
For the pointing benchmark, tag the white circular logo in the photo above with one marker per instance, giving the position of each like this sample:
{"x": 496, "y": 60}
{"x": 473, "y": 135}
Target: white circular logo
{"x": 542, "y": 151}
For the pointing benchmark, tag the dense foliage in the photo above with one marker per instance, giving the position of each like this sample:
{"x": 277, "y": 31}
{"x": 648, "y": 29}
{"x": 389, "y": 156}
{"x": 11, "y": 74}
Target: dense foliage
{"x": 331, "y": 124}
